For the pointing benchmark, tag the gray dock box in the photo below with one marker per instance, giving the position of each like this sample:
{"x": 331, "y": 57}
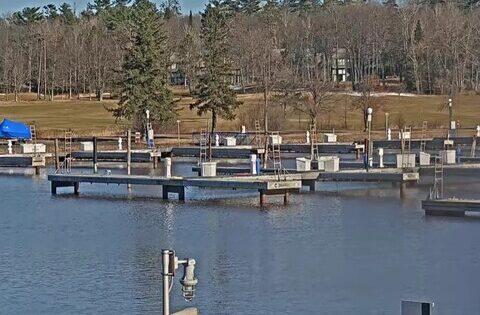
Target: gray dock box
{"x": 417, "y": 308}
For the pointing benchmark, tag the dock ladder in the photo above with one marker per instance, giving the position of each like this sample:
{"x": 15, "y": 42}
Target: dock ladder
{"x": 436, "y": 192}
{"x": 258, "y": 134}
{"x": 275, "y": 154}
{"x": 33, "y": 135}
{"x": 406, "y": 146}
{"x": 423, "y": 143}
{"x": 203, "y": 145}
{"x": 66, "y": 165}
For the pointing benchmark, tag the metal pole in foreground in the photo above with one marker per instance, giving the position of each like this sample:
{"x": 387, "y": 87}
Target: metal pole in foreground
{"x": 386, "y": 125}
{"x": 129, "y": 156}
{"x": 178, "y": 132}
{"x": 166, "y": 281}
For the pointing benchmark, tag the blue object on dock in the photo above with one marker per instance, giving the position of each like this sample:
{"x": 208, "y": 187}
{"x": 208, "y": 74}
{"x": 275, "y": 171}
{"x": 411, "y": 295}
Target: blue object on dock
{"x": 14, "y": 130}
{"x": 259, "y": 167}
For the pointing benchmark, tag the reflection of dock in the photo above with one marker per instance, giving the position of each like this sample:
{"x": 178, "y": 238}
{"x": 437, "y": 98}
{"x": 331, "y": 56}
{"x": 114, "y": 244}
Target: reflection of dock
{"x": 450, "y": 207}
{"x": 266, "y": 185}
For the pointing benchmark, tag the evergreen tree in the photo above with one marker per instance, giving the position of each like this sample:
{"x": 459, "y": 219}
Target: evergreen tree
{"x": 67, "y": 14}
{"x": 170, "y": 8}
{"x": 213, "y": 93}
{"x": 144, "y": 83}
{"x": 249, "y": 6}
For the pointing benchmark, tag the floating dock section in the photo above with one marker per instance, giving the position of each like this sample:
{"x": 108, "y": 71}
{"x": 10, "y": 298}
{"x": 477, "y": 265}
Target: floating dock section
{"x": 450, "y": 207}
{"x": 266, "y": 185}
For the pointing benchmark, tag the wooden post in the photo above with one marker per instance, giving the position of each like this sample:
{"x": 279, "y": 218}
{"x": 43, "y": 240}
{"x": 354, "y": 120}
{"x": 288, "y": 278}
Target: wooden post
{"x": 263, "y": 197}
{"x": 76, "y": 188}
{"x": 286, "y": 198}
{"x": 57, "y": 158}
{"x": 95, "y": 160}
{"x": 129, "y": 156}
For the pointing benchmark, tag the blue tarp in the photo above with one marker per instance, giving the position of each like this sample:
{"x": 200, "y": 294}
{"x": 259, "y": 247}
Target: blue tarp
{"x": 14, "y": 130}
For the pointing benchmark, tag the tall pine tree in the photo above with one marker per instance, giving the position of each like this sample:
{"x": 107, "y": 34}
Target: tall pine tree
{"x": 213, "y": 93}
{"x": 144, "y": 83}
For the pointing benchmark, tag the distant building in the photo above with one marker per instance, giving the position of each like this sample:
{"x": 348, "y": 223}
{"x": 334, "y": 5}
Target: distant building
{"x": 340, "y": 66}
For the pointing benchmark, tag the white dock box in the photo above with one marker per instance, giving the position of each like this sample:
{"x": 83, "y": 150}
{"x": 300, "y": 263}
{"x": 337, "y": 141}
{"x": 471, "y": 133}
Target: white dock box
{"x": 448, "y": 156}
{"x": 28, "y": 148}
{"x": 275, "y": 139}
{"x": 86, "y": 146}
{"x": 424, "y": 159}
{"x": 329, "y": 137}
{"x": 332, "y": 165}
{"x": 406, "y": 135}
{"x": 209, "y": 169}
{"x": 409, "y": 160}
{"x": 230, "y": 141}
{"x": 303, "y": 164}
{"x": 329, "y": 163}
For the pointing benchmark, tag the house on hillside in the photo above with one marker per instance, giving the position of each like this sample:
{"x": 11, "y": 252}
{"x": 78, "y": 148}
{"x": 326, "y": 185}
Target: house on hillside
{"x": 340, "y": 66}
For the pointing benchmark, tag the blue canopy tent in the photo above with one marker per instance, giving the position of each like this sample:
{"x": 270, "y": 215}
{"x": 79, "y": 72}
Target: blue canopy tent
{"x": 14, "y": 130}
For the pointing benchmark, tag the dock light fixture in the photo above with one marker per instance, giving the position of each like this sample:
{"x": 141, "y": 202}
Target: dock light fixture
{"x": 189, "y": 282}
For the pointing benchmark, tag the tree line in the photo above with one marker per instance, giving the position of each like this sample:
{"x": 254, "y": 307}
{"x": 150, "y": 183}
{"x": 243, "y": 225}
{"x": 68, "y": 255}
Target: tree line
{"x": 291, "y": 50}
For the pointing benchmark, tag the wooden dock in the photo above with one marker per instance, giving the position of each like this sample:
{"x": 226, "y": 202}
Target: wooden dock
{"x": 373, "y": 175}
{"x": 450, "y": 207}
{"x": 266, "y": 185}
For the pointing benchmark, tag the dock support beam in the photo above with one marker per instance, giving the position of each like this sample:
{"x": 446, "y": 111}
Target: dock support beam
{"x": 76, "y": 188}
{"x": 445, "y": 213}
{"x": 95, "y": 156}
{"x": 286, "y": 198}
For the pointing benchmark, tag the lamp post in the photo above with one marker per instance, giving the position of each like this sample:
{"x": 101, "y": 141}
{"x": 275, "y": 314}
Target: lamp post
{"x": 369, "y": 150}
{"x": 386, "y": 125}
{"x": 170, "y": 263}
{"x": 147, "y": 115}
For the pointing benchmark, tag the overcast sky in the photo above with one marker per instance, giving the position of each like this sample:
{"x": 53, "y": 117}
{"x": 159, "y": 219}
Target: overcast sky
{"x": 16, "y": 5}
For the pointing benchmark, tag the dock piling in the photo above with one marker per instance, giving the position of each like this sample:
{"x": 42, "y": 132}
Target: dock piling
{"x": 57, "y": 158}
{"x": 129, "y": 156}
{"x": 95, "y": 156}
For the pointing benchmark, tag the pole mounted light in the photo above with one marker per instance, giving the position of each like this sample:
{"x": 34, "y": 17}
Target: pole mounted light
{"x": 189, "y": 282}
{"x": 369, "y": 149}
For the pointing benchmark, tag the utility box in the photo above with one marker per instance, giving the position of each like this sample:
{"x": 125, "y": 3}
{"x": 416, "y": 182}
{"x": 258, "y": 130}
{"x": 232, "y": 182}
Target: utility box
{"x": 409, "y": 160}
{"x": 29, "y": 148}
{"x": 329, "y": 163}
{"x": 329, "y": 137}
{"x": 417, "y": 308}
{"x": 303, "y": 164}
{"x": 275, "y": 139}
{"x": 38, "y": 161}
{"x": 424, "y": 159}
{"x": 230, "y": 141}
{"x": 404, "y": 135}
{"x": 208, "y": 169}
{"x": 448, "y": 142}
{"x": 86, "y": 146}
{"x": 448, "y": 156}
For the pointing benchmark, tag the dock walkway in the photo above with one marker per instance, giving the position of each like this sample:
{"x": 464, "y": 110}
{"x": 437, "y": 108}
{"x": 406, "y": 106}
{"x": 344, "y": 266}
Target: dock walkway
{"x": 266, "y": 185}
{"x": 450, "y": 207}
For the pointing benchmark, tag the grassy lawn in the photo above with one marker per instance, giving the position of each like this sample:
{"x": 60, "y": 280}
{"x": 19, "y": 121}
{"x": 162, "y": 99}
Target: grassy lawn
{"x": 91, "y": 117}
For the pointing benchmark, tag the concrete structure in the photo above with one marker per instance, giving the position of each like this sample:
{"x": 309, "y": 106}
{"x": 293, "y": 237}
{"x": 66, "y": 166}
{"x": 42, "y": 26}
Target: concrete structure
{"x": 266, "y": 185}
{"x": 29, "y": 148}
{"x": 450, "y": 207}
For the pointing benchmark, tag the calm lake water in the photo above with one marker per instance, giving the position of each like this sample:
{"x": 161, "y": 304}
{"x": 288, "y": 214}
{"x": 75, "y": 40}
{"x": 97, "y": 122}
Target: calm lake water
{"x": 346, "y": 250}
